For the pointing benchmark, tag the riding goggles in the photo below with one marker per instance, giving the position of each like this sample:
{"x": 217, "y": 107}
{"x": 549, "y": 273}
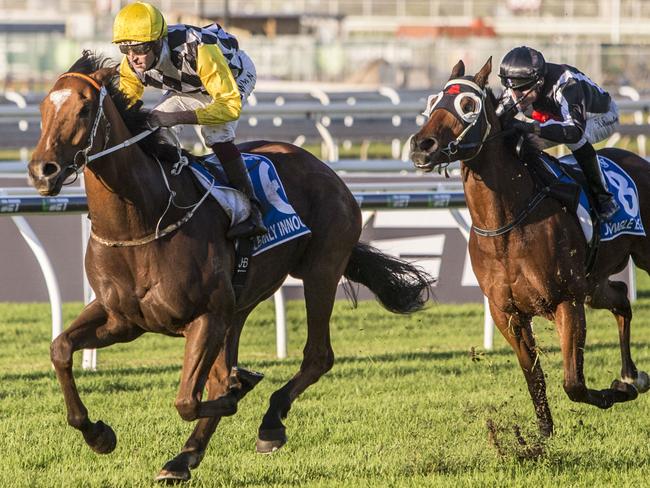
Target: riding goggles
{"x": 137, "y": 49}
{"x": 521, "y": 84}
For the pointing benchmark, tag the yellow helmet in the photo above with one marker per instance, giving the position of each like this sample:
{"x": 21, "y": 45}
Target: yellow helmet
{"x": 139, "y": 22}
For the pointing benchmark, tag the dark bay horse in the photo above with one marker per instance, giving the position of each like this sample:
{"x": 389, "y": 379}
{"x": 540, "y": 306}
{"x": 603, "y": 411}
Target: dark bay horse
{"x": 178, "y": 281}
{"x": 529, "y": 254}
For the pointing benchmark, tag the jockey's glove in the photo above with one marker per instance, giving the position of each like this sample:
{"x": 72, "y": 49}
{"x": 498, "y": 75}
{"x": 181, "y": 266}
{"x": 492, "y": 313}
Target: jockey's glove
{"x": 527, "y": 127}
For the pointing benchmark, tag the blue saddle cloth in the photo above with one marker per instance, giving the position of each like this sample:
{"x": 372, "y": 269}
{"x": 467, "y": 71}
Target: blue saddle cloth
{"x": 628, "y": 219}
{"x": 280, "y": 218}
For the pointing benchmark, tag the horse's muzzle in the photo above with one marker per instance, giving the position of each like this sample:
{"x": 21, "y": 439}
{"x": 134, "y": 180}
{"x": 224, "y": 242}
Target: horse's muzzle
{"x": 45, "y": 176}
{"x": 421, "y": 160}
{"x": 423, "y": 152}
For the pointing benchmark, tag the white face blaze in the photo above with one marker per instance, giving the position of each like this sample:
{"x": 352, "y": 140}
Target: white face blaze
{"x": 59, "y": 97}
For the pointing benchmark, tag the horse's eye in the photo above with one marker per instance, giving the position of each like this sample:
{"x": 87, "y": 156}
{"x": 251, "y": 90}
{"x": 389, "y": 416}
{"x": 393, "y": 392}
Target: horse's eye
{"x": 85, "y": 111}
{"x": 468, "y": 105}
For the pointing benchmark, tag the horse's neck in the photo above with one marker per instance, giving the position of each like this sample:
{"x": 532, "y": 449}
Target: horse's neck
{"x": 125, "y": 189}
{"x": 497, "y": 187}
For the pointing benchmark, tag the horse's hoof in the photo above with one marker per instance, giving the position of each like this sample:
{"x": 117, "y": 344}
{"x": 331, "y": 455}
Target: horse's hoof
{"x": 628, "y": 391}
{"x": 172, "y": 477}
{"x": 101, "y": 438}
{"x": 270, "y": 440}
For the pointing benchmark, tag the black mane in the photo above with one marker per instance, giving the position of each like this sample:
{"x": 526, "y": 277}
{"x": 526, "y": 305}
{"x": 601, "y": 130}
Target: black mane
{"x": 135, "y": 117}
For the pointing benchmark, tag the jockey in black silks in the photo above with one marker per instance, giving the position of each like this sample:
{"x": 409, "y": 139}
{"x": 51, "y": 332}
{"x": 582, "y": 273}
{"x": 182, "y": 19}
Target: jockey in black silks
{"x": 567, "y": 108}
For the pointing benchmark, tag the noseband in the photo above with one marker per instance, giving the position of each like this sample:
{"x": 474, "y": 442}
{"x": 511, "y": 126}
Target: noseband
{"x": 462, "y": 89}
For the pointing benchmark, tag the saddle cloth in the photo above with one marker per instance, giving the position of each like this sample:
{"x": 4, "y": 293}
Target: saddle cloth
{"x": 626, "y": 221}
{"x": 279, "y": 216}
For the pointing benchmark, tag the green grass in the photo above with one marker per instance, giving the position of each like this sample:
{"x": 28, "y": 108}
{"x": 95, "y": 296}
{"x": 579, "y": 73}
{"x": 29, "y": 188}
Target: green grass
{"x": 406, "y": 404}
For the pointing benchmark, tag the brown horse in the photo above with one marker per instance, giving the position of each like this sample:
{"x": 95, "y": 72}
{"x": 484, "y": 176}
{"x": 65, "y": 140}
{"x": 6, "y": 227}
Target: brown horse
{"x": 178, "y": 281}
{"x": 527, "y": 253}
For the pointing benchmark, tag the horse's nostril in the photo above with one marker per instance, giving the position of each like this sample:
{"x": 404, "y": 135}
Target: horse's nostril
{"x": 50, "y": 168}
{"x": 428, "y": 144}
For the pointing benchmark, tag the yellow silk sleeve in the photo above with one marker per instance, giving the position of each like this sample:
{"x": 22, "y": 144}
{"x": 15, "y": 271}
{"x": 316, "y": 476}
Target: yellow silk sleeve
{"x": 130, "y": 84}
{"x": 219, "y": 82}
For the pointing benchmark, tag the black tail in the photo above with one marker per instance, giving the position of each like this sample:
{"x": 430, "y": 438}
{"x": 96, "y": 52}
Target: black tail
{"x": 397, "y": 284}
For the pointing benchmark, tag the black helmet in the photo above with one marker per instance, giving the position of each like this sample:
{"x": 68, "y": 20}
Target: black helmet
{"x": 521, "y": 68}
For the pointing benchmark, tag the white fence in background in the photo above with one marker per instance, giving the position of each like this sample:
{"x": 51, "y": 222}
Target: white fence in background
{"x": 18, "y": 201}
{"x": 25, "y": 201}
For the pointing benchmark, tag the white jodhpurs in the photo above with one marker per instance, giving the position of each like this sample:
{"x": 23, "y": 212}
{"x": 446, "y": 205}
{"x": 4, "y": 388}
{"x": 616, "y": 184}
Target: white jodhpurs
{"x": 172, "y": 101}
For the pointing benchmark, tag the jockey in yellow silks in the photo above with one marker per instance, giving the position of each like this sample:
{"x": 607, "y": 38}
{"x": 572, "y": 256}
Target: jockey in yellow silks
{"x": 206, "y": 78}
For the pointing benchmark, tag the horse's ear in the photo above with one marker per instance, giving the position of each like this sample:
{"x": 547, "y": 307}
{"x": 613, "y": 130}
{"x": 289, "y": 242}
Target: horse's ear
{"x": 458, "y": 70}
{"x": 104, "y": 74}
{"x": 481, "y": 77}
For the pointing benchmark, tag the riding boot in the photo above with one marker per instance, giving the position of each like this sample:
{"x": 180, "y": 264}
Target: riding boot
{"x": 586, "y": 157}
{"x": 238, "y": 177}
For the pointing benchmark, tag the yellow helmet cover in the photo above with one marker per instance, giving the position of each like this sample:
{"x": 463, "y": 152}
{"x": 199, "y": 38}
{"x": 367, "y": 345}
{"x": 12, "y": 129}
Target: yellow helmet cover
{"x": 139, "y": 22}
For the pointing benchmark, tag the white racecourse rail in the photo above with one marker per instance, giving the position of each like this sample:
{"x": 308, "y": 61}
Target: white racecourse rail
{"x": 16, "y": 202}
{"x": 377, "y": 201}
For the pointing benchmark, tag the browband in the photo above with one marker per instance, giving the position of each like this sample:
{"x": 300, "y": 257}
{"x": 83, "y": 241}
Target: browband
{"x": 87, "y": 78}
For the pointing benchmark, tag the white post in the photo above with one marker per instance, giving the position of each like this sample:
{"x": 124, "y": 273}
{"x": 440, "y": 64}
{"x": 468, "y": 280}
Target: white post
{"x": 488, "y": 326}
{"x": 89, "y": 356}
{"x": 488, "y": 323}
{"x": 280, "y": 324}
{"x": 48, "y": 272}
{"x": 631, "y": 278}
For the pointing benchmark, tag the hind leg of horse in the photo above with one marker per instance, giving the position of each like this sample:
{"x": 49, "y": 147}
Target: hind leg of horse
{"x": 219, "y": 382}
{"x": 612, "y": 296}
{"x": 90, "y": 330}
{"x": 318, "y": 357}
{"x": 517, "y": 330}
{"x": 571, "y": 326}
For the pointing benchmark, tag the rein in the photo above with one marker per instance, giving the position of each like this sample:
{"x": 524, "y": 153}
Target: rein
{"x": 536, "y": 200}
{"x": 86, "y": 158}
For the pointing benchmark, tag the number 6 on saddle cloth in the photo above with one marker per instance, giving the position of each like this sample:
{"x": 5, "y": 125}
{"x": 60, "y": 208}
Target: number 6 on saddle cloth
{"x": 280, "y": 218}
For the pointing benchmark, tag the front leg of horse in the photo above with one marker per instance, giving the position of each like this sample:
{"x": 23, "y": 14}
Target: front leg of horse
{"x": 204, "y": 341}
{"x": 178, "y": 468}
{"x": 517, "y": 330}
{"x": 571, "y": 324}
{"x": 205, "y": 358}
{"x": 89, "y": 330}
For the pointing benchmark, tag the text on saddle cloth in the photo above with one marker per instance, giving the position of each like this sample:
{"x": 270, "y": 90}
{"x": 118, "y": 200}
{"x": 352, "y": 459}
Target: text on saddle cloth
{"x": 280, "y": 218}
{"x": 628, "y": 218}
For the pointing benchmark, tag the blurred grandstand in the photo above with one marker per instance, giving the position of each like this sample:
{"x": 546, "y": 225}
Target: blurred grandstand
{"x": 401, "y": 43}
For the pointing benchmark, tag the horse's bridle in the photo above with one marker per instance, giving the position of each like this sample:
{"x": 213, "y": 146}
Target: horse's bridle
{"x": 462, "y": 88}
{"x": 77, "y": 166}
{"x": 478, "y": 94}
{"x": 83, "y": 153}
